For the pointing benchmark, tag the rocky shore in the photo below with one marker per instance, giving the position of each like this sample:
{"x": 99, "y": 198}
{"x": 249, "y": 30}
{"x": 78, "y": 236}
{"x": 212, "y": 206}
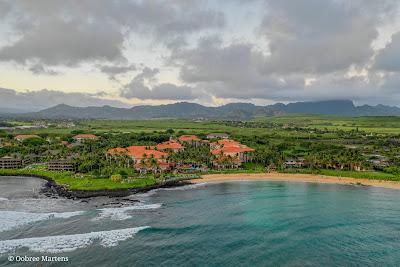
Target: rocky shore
{"x": 52, "y": 189}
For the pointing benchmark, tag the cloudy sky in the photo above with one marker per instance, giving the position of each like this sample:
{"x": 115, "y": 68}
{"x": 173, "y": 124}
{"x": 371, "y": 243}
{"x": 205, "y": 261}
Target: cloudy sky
{"x": 128, "y": 52}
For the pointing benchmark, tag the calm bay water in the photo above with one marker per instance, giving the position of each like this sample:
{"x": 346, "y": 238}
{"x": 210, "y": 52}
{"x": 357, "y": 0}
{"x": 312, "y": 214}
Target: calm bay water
{"x": 238, "y": 223}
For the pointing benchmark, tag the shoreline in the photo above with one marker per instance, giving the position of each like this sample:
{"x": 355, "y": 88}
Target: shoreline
{"x": 292, "y": 177}
{"x": 53, "y": 188}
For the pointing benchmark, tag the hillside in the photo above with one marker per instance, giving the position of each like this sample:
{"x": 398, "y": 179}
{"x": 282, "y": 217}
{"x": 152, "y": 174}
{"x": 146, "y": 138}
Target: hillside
{"x": 233, "y": 111}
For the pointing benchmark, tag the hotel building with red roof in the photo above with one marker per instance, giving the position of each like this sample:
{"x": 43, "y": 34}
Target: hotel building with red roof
{"x": 141, "y": 156}
{"x": 171, "y": 145}
{"x": 231, "y": 149}
{"x": 80, "y": 138}
{"x": 22, "y": 137}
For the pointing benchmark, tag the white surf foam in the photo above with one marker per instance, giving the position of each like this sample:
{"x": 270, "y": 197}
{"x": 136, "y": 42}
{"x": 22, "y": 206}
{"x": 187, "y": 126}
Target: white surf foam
{"x": 122, "y": 213}
{"x": 3, "y": 199}
{"x": 67, "y": 243}
{"x": 147, "y": 194}
{"x": 66, "y": 215}
{"x": 178, "y": 188}
{"x": 13, "y": 219}
{"x": 185, "y": 187}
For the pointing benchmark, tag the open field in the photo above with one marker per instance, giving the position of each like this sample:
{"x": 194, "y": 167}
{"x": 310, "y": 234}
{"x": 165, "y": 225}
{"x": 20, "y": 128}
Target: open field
{"x": 259, "y": 126}
{"x": 379, "y": 124}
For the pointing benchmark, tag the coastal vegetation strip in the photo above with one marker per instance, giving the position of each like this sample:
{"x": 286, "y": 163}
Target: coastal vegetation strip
{"x": 89, "y": 183}
{"x": 373, "y": 175}
{"x": 69, "y": 180}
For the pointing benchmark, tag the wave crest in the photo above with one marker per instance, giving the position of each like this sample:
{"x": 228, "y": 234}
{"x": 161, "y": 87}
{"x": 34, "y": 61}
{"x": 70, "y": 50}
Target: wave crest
{"x": 13, "y": 219}
{"x": 122, "y": 213}
{"x": 67, "y": 243}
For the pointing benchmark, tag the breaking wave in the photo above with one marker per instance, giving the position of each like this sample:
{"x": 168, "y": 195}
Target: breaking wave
{"x": 67, "y": 243}
{"x": 122, "y": 213}
{"x": 178, "y": 188}
{"x": 13, "y": 219}
{"x": 185, "y": 187}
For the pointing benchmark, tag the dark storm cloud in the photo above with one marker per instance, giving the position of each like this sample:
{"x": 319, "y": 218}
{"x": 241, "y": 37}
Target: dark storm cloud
{"x": 113, "y": 70}
{"x": 313, "y": 39}
{"x": 4, "y": 8}
{"x": 69, "y": 32}
{"x": 39, "y": 69}
{"x": 388, "y": 59}
{"x": 232, "y": 71}
{"x": 137, "y": 88}
{"x": 312, "y": 36}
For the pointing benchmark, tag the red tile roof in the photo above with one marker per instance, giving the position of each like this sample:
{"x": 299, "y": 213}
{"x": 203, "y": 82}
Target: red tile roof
{"x": 230, "y": 146}
{"x": 26, "y": 136}
{"x": 236, "y": 149}
{"x": 188, "y": 138}
{"x": 169, "y": 145}
{"x": 228, "y": 142}
{"x": 138, "y": 152}
{"x": 85, "y": 136}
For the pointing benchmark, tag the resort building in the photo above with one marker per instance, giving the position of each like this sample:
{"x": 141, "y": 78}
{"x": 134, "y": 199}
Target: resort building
{"x": 294, "y": 162}
{"x": 12, "y": 163}
{"x": 230, "y": 149}
{"x": 217, "y": 136}
{"x": 190, "y": 139}
{"x": 61, "y": 165}
{"x": 22, "y": 137}
{"x": 170, "y": 146}
{"x": 227, "y": 162}
{"x": 145, "y": 158}
{"x": 227, "y": 154}
{"x": 156, "y": 167}
{"x": 81, "y": 138}
{"x": 139, "y": 153}
{"x": 190, "y": 167}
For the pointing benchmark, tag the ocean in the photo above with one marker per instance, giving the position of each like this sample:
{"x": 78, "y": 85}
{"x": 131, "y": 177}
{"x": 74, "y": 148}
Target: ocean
{"x": 225, "y": 224}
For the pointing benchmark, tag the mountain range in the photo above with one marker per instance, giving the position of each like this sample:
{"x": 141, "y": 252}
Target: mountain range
{"x": 234, "y": 111}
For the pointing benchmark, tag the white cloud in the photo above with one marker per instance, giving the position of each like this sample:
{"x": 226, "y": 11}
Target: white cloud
{"x": 36, "y": 100}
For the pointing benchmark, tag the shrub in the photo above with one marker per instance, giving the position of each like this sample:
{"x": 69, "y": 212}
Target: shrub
{"x": 116, "y": 178}
{"x": 123, "y": 173}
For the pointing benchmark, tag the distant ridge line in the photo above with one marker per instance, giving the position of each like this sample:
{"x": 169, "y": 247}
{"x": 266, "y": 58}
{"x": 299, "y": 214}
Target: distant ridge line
{"x": 232, "y": 111}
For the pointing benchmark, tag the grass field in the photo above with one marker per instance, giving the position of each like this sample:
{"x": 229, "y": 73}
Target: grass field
{"x": 378, "y": 124}
{"x": 262, "y": 125}
{"x": 85, "y": 183}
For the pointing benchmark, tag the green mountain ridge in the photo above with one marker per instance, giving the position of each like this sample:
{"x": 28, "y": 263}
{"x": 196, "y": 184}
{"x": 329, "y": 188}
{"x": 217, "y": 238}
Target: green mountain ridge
{"x": 233, "y": 111}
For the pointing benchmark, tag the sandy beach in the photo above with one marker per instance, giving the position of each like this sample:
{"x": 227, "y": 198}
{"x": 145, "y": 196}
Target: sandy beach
{"x": 307, "y": 178}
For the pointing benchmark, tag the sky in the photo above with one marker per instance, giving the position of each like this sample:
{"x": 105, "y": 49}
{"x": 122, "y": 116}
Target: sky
{"x": 131, "y": 52}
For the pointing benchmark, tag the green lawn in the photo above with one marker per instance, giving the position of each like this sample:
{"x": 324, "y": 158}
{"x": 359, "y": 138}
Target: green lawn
{"x": 85, "y": 183}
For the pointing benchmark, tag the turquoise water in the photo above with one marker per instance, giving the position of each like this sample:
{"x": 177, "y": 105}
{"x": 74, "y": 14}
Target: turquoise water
{"x": 228, "y": 224}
